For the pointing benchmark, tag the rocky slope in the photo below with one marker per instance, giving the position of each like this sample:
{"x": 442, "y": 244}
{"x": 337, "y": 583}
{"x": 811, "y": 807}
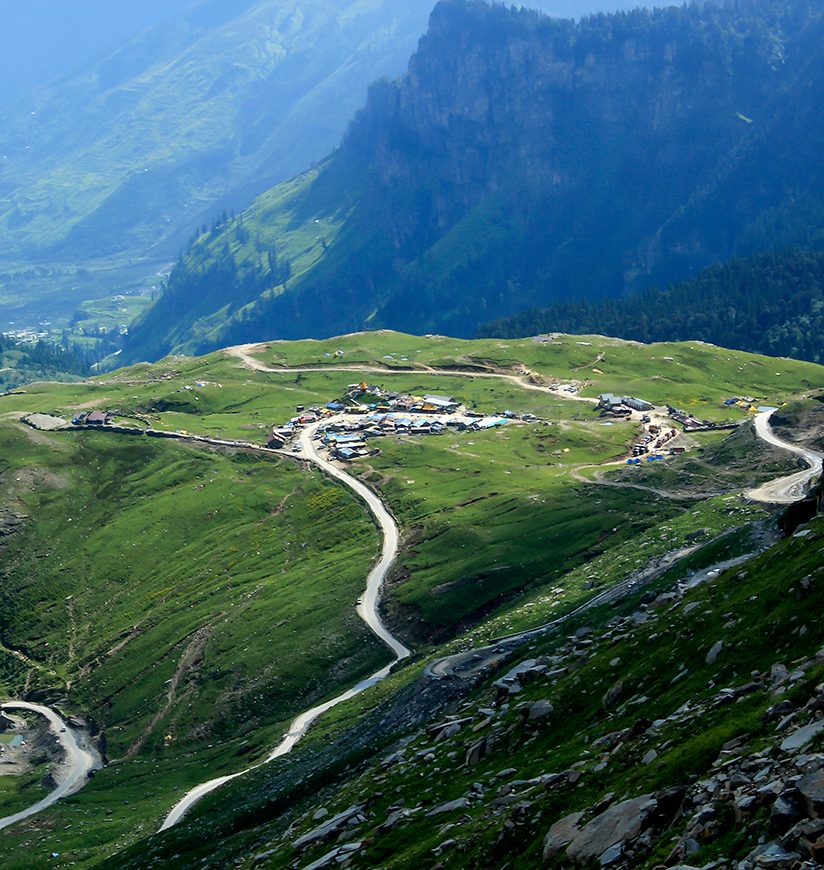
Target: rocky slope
{"x": 520, "y": 160}
{"x": 747, "y": 792}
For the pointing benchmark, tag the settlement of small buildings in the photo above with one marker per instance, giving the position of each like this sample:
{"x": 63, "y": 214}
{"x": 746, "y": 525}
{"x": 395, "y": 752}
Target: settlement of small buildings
{"x": 368, "y": 412}
{"x": 622, "y": 406}
{"x": 93, "y": 418}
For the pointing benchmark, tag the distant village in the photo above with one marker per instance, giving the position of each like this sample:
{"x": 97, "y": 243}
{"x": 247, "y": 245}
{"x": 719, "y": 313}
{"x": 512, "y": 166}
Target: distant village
{"x": 367, "y": 412}
{"x": 348, "y": 427}
{"x": 658, "y": 435}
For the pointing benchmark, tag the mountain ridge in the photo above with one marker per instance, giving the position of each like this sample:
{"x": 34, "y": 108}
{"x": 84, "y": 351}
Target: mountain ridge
{"x": 521, "y": 158}
{"x": 768, "y": 303}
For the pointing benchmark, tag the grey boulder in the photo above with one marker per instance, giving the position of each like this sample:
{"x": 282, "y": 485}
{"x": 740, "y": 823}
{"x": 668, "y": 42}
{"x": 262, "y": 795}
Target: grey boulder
{"x": 617, "y": 824}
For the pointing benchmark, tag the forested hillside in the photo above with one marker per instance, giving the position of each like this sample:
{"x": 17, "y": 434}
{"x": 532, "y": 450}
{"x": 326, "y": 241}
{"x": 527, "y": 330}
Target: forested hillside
{"x": 40, "y": 360}
{"x": 771, "y": 303}
{"x": 521, "y": 161}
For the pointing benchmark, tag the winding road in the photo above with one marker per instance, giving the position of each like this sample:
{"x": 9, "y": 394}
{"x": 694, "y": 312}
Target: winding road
{"x": 784, "y": 490}
{"x": 74, "y": 771}
{"x": 81, "y": 762}
{"x": 794, "y": 487}
{"x": 367, "y": 610}
{"x": 244, "y": 353}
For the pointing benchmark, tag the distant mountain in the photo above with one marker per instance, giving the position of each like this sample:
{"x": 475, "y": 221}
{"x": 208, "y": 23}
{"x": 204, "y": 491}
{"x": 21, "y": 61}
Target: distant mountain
{"x": 43, "y": 39}
{"x": 524, "y": 160}
{"x": 124, "y": 126}
{"x": 200, "y": 112}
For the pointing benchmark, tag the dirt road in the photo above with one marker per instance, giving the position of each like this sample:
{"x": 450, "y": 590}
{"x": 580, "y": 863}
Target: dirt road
{"x": 785, "y": 490}
{"x": 790, "y": 489}
{"x": 367, "y": 609}
{"x": 74, "y": 771}
{"x": 244, "y": 353}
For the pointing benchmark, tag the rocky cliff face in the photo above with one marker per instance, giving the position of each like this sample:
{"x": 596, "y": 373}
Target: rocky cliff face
{"x": 596, "y": 135}
{"x": 524, "y": 159}
{"x": 493, "y": 98}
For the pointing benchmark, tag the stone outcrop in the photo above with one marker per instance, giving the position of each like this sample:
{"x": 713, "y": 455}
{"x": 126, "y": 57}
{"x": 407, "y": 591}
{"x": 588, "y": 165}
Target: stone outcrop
{"x": 621, "y": 822}
{"x": 561, "y": 834}
{"x": 811, "y": 789}
{"x": 329, "y": 828}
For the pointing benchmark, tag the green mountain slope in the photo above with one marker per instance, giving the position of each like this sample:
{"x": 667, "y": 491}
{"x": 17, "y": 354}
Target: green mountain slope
{"x": 523, "y": 160}
{"x": 654, "y": 737}
{"x": 213, "y": 104}
{"x": 770, "y": 303}
{"x": 189, "y": 598}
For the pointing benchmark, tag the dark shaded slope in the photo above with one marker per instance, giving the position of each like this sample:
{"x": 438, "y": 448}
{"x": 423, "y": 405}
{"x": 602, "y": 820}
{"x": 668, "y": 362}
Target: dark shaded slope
{"x": 524, "y": 160}
{"x": 771, "y": 303}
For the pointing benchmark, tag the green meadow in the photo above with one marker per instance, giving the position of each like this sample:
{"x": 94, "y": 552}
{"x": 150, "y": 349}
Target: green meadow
{"x": 219, "y": 396}
{"x": 693, "y": 375}
{"x": 487, "y": 515}
{"x": 19, "y": 792}
{"x": 189, "y": 600}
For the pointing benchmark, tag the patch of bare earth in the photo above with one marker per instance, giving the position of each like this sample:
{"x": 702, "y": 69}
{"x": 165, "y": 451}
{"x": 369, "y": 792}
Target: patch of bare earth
{"x": 189, "y": 661}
